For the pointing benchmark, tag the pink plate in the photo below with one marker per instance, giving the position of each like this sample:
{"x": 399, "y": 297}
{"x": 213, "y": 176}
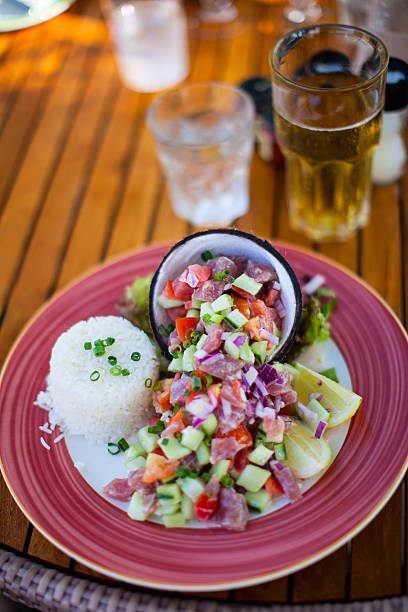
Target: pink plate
{"x": 58, "y": 501}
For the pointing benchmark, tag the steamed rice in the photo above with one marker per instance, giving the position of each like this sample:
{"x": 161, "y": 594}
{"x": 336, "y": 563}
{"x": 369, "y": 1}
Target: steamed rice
{"x": 111, "y": 407}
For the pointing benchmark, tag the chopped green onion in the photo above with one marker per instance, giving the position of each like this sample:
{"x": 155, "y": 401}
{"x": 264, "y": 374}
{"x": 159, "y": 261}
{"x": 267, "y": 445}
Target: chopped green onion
{"x": 176, "y": 353}
{"x": 170, "y": 328}
{"x": 206, "y": 255}
{"x": 196, "y": 383}
{"x": 87, "y": 346}
{"x": 207, "y": 440}
{"x": 109, "y": 341}
{"x": 193, "y": 473}
{"x": 220, "y": 276}
{"x": 123, "y": 445}
{"x": 164, "y": 496}
{"x": 112, "y": 360}
{"x": 165, "y": 441}
{"x": 135, "y": 356}
{"x": 189, "y": 333}
{"x": 186, "y": 343}
{"x": 112, "y": 445}
{"x": 206, "y": 476}
{"x": 98, "y": 342}
{"x": 95, "y": 376}
{"x": 227, "y": 481}
{"x": 206, "y": 318}
{"x": 182, "y": 471}
{"x": 116, "y": 371}
{"x": 176, "y": 407}
{"x": 187, "y": 392}
{"x": 162, "y": 330}
{"x": 125, "y": 372}
{"x": 157, "y": 427}
{"x": 177, "y": 435}
{"x": 148, "y": 383}
{"x": 209, "y": 380}
{"x": 331, "y": 373}
{"x": 99, "y": 351}
{"x": 158, "y": 386}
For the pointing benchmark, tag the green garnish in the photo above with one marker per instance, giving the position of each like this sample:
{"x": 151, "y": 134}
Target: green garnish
{"x": 109, "y": 341}
{"x": 206, "y": 476}
{"x": 99, "y": 351}
{"x": 196, "y": 383}
{"x": 162, "y": 330}
{"x": 95, "y": 376}
{"x": 187, "y": 392}
{"x": 112, "y": 360}
{"x": 227, "y": 481}
{"x": 331, "y": 373}
{"x": 87, "y": 346}
{"x": 186, "y": 343}
{"x": 177, "y": 435}
{"x": 170, "y": 328}
{"x": 122, "y": 444}
{"x": 207, "y": 440}
{"x": 220, "y": 276}
{"x": 98, "y": 342}
{"x": 113, "y": 445}
{"x": 280, "y": 451}
{"x": 182, "y": 471}
{"x": 206, "y": 318}
{"x": 165, "y": 441}
{"x": 164, "y": 496}
{"x": 116, "y": 371}
{"x": 135, "y": 356}
{"x": 125, "y": 372}
{"x": 158, "y": 387}
{"x": 206, "y": 255}
{"x": 209, "y": 379}
{"x": 157, "y": 427}
{"x": 193, "y": 473}
{"x": 176, "y": 353}
{"x": 148, "y": 383}
{"x": 176, "y": 407}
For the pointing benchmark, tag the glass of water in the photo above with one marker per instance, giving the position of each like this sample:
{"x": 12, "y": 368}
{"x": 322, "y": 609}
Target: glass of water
{"x": 204, "y": 139}
{"x": 150, "y": 41}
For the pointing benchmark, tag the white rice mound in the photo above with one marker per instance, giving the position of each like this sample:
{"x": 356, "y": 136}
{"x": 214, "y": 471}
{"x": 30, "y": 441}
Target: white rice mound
{"x": 111, "y": 407}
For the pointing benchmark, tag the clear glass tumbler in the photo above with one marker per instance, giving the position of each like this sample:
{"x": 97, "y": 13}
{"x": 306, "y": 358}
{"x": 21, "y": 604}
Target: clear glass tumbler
{"x": 150, "y": 41}
{"x": 328, "y": 84}
{"x": 204, "y": 138}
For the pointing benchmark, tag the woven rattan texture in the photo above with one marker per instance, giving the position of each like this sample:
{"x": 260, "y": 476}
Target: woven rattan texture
{"x": 52, "y": 591}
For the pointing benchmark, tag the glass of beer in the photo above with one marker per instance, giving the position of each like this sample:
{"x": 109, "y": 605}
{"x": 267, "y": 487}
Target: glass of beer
{"x": 328, "y": 84}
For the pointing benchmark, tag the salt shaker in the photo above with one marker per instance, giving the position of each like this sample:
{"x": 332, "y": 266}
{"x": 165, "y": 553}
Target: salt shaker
{"x": 390, "y": 156}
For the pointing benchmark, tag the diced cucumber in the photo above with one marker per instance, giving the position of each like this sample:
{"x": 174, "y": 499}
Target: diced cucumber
{"x": 258, "y": 501}
{"x": 163, "y": 509}
{"x": 168, "y": 302}
{"x": 135, "y": 464}
{"x": 169, "y": 493}
{"x": 247, "y": 283}
{"x": 188, "y": 358}
{"x": 275, "y": 329}
{"x": 253, "y": 478}
{"x": 173, "y": 449}
{"x": 203, "y": 454}
{"x": 134, "y": 450}
{"x": 210, "y": 425}
{"x": 260, "y": 437}
{"x": 259, "y": 350}
{"x": 148, "y": 440}
{"x": 193, "y": 312}
{"x": 234, "y": 473}
{"x": 321, "y": 412}
{"x": 217, "y": 318}
{"x": 192, "y": 437}
{"x": 135, "y": 510}
{"x": 260, "y": 455}
{"x": 187, "y": 508}
{"x": 286, "y": 367}
{"x": 246, "y": 354}
{"x": 176, "y": 365}
{"x": 192, "y": 487}
{"x": 196, "y": 303}
{"x": 236, "y": 318}
{"x": 221, "y": 468}
{"x": 230, "y": 347}
{"x": 280, "y": 451}
{"x": 201, "y": 341}
{"x": 174, "y": 520}
{"x": 206, "y": 309}
{"x": 222, "y": 302}
{"x": 170, "y": 478}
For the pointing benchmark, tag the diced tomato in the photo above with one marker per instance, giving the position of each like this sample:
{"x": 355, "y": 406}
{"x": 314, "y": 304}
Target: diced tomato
{"x": 273, "y": 487}
{"x": 177, "y": 416}
{"x": 158, "y": 468}
{"x": 260, "y": 308}
{"x": 161, "y": 399}
{"x": 158, "y": 451}
{"x": 271, "y": 296}
{"x": 205, "y": 507}
{"x": 184, "y": 324}
{"x": 241, "y": 459}
{"x": 241, "y": 434}
{"x": 238, "y": 391}
{"x": 182, "y": 291}
{"x": 153, "y": 420}
{"x": 199, "y": 274}
{"x": 168, "y": 292}
{"x": 188, "y": 305}
{"x": 176, "y": 312}
{"x": 214, "y": 394}
{"x": 253, "y": 327}
{"x": 243, "y": 306}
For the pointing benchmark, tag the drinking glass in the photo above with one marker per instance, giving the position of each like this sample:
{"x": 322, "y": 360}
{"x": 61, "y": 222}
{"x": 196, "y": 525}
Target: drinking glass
{"x": 328, "y": 84}
{"x": 150, "y": 41}
{"x": 204, "y": 139}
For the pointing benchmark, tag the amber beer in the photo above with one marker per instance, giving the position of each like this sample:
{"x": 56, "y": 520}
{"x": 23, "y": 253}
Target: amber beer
{"x": 328, "y": 126}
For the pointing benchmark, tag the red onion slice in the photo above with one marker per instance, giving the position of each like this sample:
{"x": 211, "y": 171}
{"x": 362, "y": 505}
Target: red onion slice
{"x": 240, "y": 341}
{"x": 320, "y": 429}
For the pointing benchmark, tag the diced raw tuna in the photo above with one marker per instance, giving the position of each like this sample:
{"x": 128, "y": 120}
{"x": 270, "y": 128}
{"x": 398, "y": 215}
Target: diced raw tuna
{"x": 281, "y": 385}
{"x": 288, "y": 483}
{"x": 135, "y": 480}
{"x": 208, "y": 291}
{"x": 173, "y": 340}
{"x": 173, "y": 428}
{"x": 225, "y": 263}
{"x": 262, "y": 273}
{"x": 241, "y": 459}
{"x": 176, "y": 312}
{"x": 289, "y": 397}
{"x": 191, "y": 462}
{"x": 274, "y": 428}
{"x": 232, "y": 510}
{"x": 182, "y": 291}
{"x": 213, "y": 342}
{"x": 271, "y": 296}
{"x": 212, "y": 488}
{"x": 221, "y": 365}
{"x": 177, "y": 390}
{"x": 240, "y": 261}
{"x": 119, "y": 489}
{"x": 229, "y": 394}
{"x": 224, "y": 448}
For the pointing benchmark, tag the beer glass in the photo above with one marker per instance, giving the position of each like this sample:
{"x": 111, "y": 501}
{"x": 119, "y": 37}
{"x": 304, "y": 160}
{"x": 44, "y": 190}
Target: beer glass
{"x": 328, "y": 84}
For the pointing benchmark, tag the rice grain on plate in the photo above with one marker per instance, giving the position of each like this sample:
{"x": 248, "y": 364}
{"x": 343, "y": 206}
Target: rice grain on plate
{"x": 112, "y": 406}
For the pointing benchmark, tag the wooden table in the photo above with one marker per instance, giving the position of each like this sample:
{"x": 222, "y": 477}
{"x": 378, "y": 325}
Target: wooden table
{"x": 80, "y": 183}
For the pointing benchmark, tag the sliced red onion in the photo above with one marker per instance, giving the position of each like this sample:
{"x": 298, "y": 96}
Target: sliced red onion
{"x": 319, "y": 382}
{"x": 267, "y": 373}
{"x": 250, "y": 375}
{"x": 265, "y": 335}
{"x": 261, "y": 386}
{"x": 277, "y": 465}
{"x": 200, "y": 407}
{"x": 320, "y": 429}
{"x": 316, "y": 396}
{"x": 226, "y": 408}
{"x": 276, "y": 285}
{"x": 262, "y": 411}
{"x": 200, "y": 354}
{"x": 280, "y": 309}
{"x": 314, "y": 284}
{"x": 251, "y": 409}
{"x": 208, "y": 356}
{"x": 240, "y": 341}
{"x": 197, "y": 421}
{"x": 256, "y": 393}
{"x": 227, "y": 287}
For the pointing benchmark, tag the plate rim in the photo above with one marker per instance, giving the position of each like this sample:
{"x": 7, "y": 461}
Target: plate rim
{"x": 220, "y": 585}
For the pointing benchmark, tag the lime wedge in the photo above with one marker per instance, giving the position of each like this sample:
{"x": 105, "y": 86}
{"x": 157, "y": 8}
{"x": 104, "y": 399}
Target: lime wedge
{"x": 339, "y": 401}
{"x": 306, "y": 455}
